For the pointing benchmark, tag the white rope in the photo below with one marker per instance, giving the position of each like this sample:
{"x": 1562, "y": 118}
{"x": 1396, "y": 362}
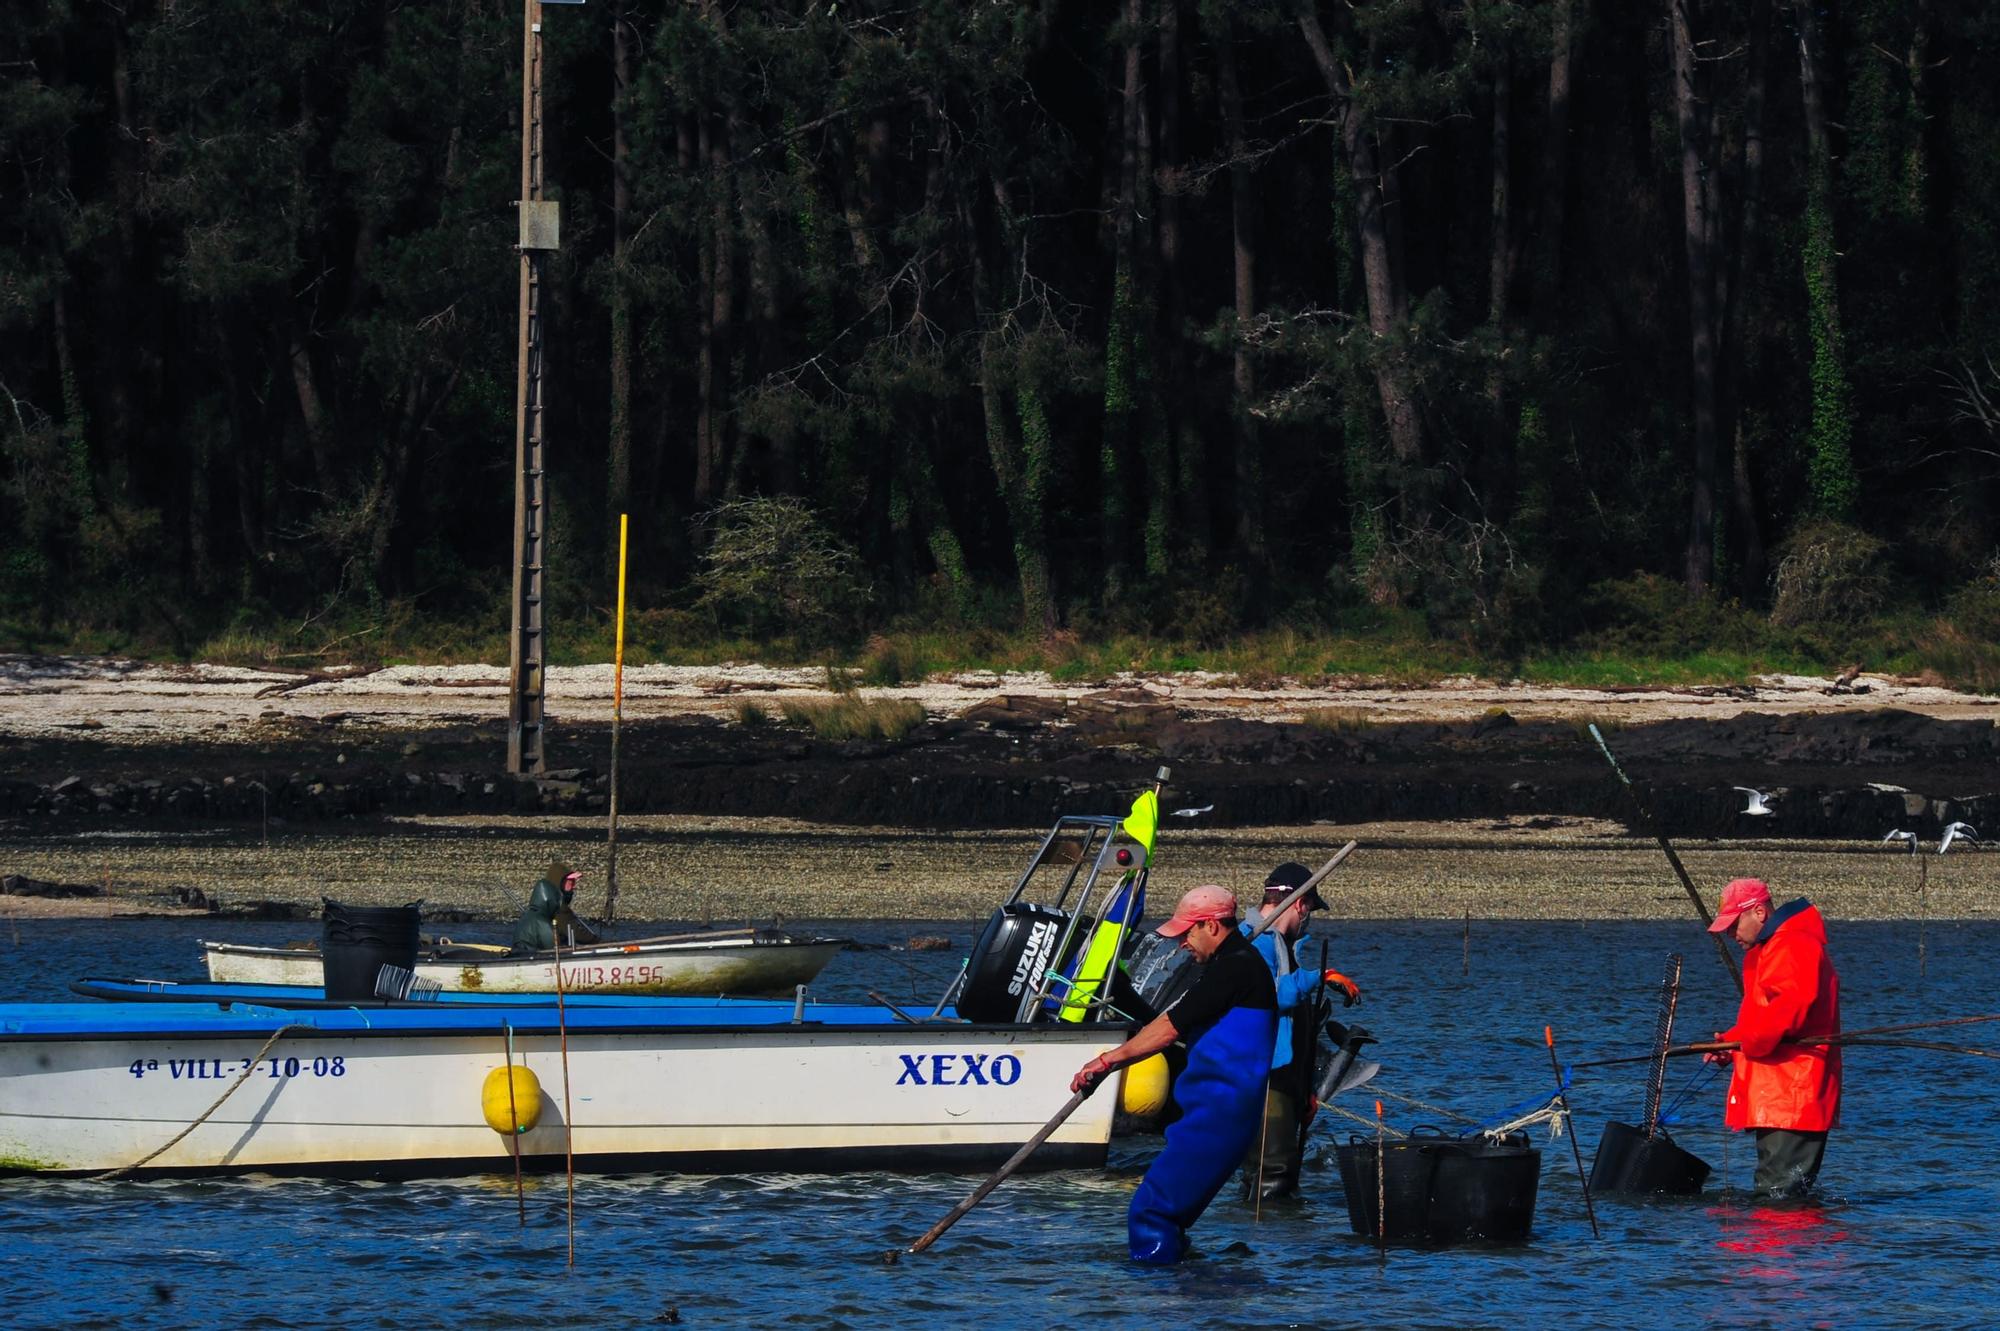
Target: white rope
{"x": 1551, "y": 1113}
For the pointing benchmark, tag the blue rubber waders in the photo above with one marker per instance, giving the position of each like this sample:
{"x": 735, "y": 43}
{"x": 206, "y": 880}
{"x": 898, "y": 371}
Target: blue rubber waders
{"x": 1221, "y": 1096}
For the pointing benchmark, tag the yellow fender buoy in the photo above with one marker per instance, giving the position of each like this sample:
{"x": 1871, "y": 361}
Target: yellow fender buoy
{"x": 511, "y": 1116}
{"x": 1143, "y": 1092}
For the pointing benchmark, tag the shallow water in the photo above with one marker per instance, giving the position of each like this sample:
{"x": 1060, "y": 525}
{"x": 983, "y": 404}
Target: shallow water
{"x": 1906, "y": 1236}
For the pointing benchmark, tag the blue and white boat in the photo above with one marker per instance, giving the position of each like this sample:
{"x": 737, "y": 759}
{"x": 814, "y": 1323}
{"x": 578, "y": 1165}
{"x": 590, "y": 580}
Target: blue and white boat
{"x": 686, "y": 1084}
{"x": 192, "y": 1078}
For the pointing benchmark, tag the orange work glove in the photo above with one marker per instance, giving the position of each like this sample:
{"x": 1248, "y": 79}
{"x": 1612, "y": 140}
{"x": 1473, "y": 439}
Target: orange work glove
{"x": 1348, "y": 988}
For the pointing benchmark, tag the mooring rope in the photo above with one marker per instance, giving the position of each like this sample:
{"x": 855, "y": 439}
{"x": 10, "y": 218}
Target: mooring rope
{"x": 1427, "y": 1108}
{"x": 241, "y": 1077}
{"x": 1364, "y": 1120}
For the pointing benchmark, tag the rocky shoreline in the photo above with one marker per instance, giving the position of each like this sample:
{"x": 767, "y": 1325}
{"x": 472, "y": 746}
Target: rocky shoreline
{"x": 1852, "y": 774}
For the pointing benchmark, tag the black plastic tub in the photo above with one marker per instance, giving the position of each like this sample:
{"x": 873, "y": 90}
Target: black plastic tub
{"x": 1630, "y": 1162}
{"x": 356, "y": 942}
{"x": 1438, "y": 1189}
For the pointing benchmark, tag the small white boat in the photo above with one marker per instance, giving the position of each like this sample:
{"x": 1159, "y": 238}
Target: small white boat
{"x": 696, "y": 1085}
{"x": 698, "y": 967}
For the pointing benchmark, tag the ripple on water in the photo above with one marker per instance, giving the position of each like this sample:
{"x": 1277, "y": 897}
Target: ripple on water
{"x": 1905, "y": 1238}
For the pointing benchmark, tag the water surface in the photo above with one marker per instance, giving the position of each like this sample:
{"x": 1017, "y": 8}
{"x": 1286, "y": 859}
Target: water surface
{"x": 1906, "y": 1236}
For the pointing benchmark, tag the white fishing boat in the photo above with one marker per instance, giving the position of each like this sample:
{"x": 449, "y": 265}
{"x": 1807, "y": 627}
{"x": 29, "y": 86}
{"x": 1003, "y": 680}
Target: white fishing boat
{"x": 399, "y": 1090}
{"x": 747, "y": 963}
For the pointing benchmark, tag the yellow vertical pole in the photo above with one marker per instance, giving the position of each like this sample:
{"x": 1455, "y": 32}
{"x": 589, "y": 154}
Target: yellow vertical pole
{"x": 617, "y": 715}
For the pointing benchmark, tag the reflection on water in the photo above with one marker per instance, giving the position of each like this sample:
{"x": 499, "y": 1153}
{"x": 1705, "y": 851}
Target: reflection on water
{"x": 1904, "y": 1236}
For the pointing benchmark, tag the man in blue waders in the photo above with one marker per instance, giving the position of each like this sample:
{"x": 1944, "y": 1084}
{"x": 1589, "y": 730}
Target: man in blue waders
{"x": 1271, "y": 1167}
{"x": 1227, "y": 1019}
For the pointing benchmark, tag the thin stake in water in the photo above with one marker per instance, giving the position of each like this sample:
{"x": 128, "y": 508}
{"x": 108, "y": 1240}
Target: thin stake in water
{"x": 1381, "y": 1186}
{"x": 1465, "y": 961}
{"x": 514, "y": 1123}
{"x": 1562, "y": 1095}
{"x": 569, "y": 1123}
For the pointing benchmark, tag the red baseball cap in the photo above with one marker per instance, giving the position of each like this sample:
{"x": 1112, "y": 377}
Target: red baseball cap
{"x": 1208, "y": 902}
{"x": 1738, "y": 897}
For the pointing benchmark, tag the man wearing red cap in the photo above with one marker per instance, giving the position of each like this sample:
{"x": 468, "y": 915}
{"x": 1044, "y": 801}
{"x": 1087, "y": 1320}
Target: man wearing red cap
{"x": 1228, "y": 1020}
{"x": 1783, "y": 1087}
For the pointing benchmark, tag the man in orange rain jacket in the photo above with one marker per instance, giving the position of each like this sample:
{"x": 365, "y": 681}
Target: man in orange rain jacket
{"x": 1784, "y": 1088}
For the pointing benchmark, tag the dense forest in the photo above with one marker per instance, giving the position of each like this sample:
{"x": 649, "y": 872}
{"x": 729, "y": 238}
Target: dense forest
{"x": 1525, "y": 318}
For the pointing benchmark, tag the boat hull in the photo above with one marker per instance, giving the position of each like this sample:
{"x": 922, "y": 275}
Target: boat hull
{"x": 388, "y": 1102}
{"x": 737, "y": 966}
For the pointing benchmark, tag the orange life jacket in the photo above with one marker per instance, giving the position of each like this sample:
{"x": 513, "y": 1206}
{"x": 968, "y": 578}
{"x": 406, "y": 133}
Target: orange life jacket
{"x": 1790, "y": 992}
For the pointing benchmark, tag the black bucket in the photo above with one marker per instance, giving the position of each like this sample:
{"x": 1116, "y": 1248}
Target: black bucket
{"x": 1627, "y": 1161}
{"x": 1438, "y": 1189}
{"x": 356, "y": 942}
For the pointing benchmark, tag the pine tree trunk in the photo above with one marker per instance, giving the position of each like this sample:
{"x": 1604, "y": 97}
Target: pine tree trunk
{"x": 1121, "y": 406}
{"x": 1555, "y": 167}
{"x": 1830, "y": 461}
{"x": 1737, "y": 352}
{"x": 1381, "y": 275}
{"x": 1699, "y": 239}
{"x": 1189, "y": 447}
{"x": 1243, "y": 372}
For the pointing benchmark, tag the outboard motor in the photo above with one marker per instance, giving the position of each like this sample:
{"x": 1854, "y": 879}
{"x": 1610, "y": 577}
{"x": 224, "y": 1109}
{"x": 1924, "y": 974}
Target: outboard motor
{"x": 1160, "y": 970}
{"x": 1013, "y": 952}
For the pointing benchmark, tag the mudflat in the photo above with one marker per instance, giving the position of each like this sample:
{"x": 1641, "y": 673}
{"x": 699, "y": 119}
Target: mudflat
{"x": 185, "y": 789}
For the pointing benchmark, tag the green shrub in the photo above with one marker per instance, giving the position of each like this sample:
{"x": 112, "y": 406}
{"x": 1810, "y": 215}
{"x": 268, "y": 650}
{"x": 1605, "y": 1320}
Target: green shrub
{"x": 751, "y": 715}
{"x": 1649, "y": 615}
{"x": 1974, "y": 609}
{"x": 773, "y": 569}
{"x": 889, "y": 662}
{"x": 1830, "y": 576}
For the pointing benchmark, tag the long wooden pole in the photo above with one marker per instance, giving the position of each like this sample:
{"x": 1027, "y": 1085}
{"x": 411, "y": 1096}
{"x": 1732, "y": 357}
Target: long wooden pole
{"x": 1812, "y": 1041}
{"x": 1694, "y": 894}
{"x": 527, "y": 753}
{"x": 617, "y": 715}
{"x": 995, "y": 1179}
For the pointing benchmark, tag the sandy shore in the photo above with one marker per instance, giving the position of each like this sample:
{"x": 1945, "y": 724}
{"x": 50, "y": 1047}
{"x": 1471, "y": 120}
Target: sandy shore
{"x": 137, "y": 702}
{"x": 737, "y": 870}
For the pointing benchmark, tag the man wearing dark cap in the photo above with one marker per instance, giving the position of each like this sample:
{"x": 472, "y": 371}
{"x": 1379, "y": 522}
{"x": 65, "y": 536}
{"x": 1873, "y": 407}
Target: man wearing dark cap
{"x": 1226, "y": 1019}
{"x": 1782, "y": 1086}
{"x": 1272, "y": 1163}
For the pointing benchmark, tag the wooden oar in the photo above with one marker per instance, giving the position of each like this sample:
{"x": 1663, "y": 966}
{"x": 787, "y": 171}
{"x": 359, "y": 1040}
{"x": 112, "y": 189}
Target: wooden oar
{"x": 994, "y": 1180}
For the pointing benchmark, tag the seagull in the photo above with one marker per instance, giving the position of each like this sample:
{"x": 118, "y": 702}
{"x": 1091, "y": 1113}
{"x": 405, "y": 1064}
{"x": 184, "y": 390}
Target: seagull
{"x": 1953, "y": 832}
{"x": 1753, "y": 803}
{"x": 1192, "y": 813}
{"x": 1900, "y": 835}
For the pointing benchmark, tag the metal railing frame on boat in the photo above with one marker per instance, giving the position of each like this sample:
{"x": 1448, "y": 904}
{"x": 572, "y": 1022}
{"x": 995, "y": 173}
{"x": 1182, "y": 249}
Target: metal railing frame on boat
{"x": 1104, "y": 833}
